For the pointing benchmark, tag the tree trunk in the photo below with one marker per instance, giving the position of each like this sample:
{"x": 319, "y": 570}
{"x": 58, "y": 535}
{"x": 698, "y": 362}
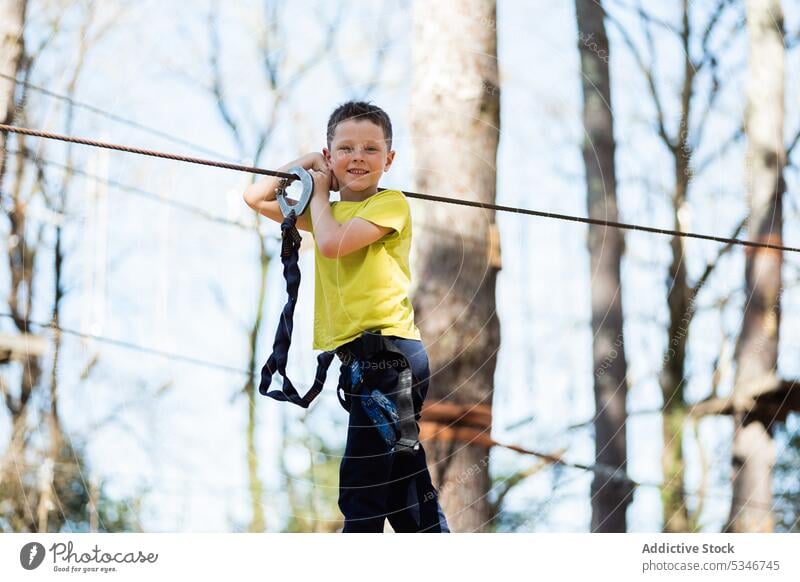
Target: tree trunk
{"x": 757, "y": 347}
{"x": 258, "y": 522}
{"x": 681, "y": 307}
{"x": 12, "y": 22}
{"x": 455, "y": 119}
{"x": 610, "y": 496}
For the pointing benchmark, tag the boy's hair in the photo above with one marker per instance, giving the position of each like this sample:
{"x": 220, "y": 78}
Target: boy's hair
{"x": 360, "y": 110}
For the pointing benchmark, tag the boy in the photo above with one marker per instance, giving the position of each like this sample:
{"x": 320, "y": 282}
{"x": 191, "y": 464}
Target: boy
{"x": 362, "y": 312}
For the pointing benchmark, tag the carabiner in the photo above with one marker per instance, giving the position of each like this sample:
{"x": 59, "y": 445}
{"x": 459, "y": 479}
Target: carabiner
{"x": 305, "y": 197}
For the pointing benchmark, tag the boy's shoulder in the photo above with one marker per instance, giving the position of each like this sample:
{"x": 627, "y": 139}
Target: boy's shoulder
{"x": 388, "y": 201}
{"x": 382, "y": 196}
{"x": 388, "y": 208}
{"x": 388, "y": 196}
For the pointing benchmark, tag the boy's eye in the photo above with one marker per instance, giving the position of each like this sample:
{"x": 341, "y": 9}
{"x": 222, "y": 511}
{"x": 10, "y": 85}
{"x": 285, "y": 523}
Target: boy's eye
{"x": 350, "y": 149}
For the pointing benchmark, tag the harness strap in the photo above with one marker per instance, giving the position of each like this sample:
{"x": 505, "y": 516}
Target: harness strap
{"x": 409, "y": 431}
{"x": 283, "y": 337}
{"x": 395, "y": 423}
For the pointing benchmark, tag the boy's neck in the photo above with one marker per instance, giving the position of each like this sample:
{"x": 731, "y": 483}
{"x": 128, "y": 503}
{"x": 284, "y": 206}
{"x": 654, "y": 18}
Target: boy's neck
{"x": 347, "y": 195}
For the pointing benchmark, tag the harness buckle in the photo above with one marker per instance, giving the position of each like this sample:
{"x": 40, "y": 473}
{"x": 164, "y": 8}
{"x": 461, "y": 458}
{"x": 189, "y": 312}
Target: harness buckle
{"x": 305, "y": 196}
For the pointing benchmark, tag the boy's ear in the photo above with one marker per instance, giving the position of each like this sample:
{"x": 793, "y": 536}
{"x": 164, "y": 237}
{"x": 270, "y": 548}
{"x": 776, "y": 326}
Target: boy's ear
{"x": 327, "y": 153}
{"x": 389, "y": 161}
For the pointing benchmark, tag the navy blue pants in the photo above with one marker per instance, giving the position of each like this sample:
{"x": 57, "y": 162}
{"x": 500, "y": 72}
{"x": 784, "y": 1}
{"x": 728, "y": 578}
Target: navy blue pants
{"x": 376, "y": 484}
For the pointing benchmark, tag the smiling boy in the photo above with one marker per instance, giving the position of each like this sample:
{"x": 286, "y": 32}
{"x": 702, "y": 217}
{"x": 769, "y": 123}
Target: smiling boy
{"x": 363, "y": 313}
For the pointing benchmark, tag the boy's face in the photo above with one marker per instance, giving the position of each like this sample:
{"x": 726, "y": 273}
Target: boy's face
{"x": 359, "y": 155}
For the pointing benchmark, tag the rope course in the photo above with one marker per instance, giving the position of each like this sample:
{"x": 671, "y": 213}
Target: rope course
{"x": 611, "y": 472}
{"x": 429, "y": 197}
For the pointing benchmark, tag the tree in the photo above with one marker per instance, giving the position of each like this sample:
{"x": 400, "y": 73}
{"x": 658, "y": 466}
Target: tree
{"x": 59, "y": 497}
{"x": 253, "y": 138}
{"x": 455, "y": 119}
{"x": 43, "y": 475}
{"x": 681, "y": 143}
{"x": 12, "y": 48}
{"x": 20, "y": 252}
{"x": 757, "y": 347}
{"x": 611, "y": 494}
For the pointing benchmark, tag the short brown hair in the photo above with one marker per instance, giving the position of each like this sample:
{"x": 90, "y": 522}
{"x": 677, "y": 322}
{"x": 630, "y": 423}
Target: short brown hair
{"x": 360, "y": 110}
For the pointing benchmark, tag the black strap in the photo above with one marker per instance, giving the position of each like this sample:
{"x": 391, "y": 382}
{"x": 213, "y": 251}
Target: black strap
{"x": 367, "y": 345}
{"x": 290, "y": 255}
{"x": 344, "y": 389}
{"x": 409, "y": 432}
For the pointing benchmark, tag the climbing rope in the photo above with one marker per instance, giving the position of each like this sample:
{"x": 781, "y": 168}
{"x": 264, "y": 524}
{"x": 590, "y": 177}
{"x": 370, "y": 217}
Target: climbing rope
{"x": 430, "y": 197}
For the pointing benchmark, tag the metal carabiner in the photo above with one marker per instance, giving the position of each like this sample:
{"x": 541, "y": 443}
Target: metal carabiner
{"x": 305, "y": 197}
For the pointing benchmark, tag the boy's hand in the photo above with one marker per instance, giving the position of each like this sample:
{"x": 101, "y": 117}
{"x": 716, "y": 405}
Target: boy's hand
{"x": 322, "y": 183}
{"x": 316, "y": 161}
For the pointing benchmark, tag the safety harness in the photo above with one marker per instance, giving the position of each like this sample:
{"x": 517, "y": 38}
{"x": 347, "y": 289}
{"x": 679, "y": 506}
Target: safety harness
{"x": 396, "y": 423}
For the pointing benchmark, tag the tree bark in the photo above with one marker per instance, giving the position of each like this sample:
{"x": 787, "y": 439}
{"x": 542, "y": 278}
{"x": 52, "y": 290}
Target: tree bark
{"x": 12, "y": 49}
{"x": 757, "y": 347}
{"x": 610, "y": 496}
{"x": 681, "y": 307}
{"x": 455, "y": 120}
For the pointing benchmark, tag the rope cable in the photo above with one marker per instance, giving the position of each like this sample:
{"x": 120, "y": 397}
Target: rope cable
{"x": 428, "y": 197}
{"x": 113, "y": 116}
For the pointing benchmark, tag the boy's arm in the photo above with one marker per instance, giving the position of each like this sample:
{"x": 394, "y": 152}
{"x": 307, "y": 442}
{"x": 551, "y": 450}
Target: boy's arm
{"x": 334, "y": 239}
{"x": 260, "y": 196}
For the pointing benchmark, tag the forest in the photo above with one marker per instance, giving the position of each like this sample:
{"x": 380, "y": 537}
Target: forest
{"x": 611, "y": 305}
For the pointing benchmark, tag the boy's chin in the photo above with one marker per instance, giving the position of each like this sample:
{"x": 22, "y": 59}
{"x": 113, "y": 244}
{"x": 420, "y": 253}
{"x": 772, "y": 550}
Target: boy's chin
{"x": 357, "y": 185}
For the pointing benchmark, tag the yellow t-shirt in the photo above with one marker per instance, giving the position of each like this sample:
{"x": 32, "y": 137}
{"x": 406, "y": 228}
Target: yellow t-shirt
{"x": 368, "y": 289}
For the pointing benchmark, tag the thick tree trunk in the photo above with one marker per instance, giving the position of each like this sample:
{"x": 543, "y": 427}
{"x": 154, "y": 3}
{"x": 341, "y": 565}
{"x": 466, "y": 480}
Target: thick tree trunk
{"x": 611, "y": 495}
{"x": 455, "y": 120}
{"x": 757, "y": 347}
{"x": 12, "y": 21}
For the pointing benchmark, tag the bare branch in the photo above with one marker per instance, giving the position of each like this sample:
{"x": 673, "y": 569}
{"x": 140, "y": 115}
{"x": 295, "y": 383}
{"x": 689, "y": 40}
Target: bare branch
{"x": 713, "y": 93}
{"x": 702, "y": 166}
{"x": 269, "y": 61}
{"x": 13, "y": 407}
{"x": 647, "y": 70}
{"x": 514, "y": 480}
{"x": 272, "y": 63}
{"x": 379, "y": 58}
{"x": 722, "y": 252}
{"x": 749, "y": 398}
{"x": 792, "y": 144}
{"x": 668, "y": 26}
{"x": 216, "y": 78}
{"x": 716, "y": 15}
{"x": 711, "y": 59}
